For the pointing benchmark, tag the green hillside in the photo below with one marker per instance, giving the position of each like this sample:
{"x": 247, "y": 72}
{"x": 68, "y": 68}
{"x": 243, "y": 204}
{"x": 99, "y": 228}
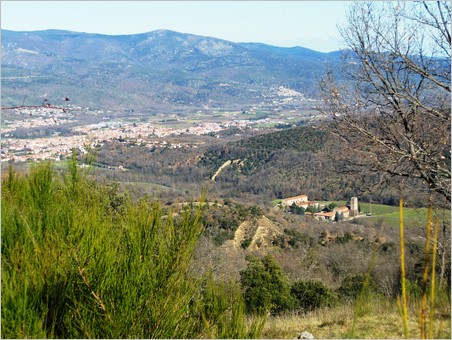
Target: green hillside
{"x": 413, "y": 217}
{"x": 304, "y": 138}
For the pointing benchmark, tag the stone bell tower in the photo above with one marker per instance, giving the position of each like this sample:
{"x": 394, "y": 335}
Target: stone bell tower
{"x": 354, "y": 206}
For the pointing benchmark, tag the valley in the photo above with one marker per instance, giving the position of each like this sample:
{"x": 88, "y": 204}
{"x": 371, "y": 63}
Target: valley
{"x": 39, "y": 133}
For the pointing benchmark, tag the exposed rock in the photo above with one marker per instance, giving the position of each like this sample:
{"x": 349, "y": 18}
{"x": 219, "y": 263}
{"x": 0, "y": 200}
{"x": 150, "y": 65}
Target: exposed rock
{"x": 261, "y": 233}
{"x": 305, "y": 335}
{"x": 381, "y": 239}
{"x": 265, "y": 234}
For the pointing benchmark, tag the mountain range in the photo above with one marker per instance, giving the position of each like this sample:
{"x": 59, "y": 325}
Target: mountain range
{"x": 152, "y": 71}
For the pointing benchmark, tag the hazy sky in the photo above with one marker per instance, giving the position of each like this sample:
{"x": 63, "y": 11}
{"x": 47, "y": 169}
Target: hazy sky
{"x": 310, "y": 24}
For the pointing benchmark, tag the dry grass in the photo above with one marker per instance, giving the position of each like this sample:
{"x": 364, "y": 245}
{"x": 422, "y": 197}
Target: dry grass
{"x": 381, "y": 320}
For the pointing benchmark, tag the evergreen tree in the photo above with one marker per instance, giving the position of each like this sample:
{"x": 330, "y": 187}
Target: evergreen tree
{"x": 265, "y": 286}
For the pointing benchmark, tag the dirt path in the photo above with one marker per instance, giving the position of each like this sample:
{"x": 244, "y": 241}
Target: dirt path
{"x": 225, "y": 164}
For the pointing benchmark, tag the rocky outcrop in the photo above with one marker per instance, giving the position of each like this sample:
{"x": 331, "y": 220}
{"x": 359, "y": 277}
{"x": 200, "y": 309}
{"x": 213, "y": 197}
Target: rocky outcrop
{"x": 255, "y": 234}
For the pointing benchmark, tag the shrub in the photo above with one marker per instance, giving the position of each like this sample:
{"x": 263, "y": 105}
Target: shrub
{"x": 413, "y": 289}
{"x": 221, "y": 321}
{"x": 353, "y": 284}
{"x": 295, "y": 209}
{"x": 310, "y": 295}
{"x": 344, "y": 239}
{"x": 297, "y": 239}
{"x": 255, "y": 211}
{"x": 246, "y": 243}
{"x": 265, "y": 286}
{"x": 81, "y": 261}
{"x": 221, "y": 236}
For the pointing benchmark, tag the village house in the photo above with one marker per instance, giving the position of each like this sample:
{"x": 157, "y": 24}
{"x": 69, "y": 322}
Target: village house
{"x": 343, "y": 211}
{"x": 300, "y": 201}
{"x": 296, "y": 199}
{"x": 305, "y": 205}
{"x": 325, "y": 216}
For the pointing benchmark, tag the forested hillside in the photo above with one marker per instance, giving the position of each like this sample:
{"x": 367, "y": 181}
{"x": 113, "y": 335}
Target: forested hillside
{"x": 266, "y": 166}
{"x": 307, "y": 139}
{"x": 152, "y": 71}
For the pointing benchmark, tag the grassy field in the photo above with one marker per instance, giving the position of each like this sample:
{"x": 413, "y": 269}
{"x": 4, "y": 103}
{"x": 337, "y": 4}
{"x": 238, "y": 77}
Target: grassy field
{"x": 378, "y": 209}
{"x": 413, "y": 217}
{"x": 276, "y": 201}
{"x": 380, "y": 320}
{"x": 389, "y": 215}
{"x": 339, "y": 203}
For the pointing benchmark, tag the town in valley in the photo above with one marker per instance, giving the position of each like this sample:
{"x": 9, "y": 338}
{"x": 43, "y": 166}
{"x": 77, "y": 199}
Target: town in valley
{"x": 33, "y": 133}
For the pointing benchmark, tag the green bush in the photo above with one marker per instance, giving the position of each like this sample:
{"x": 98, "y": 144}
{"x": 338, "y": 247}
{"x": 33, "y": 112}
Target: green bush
{"x": 353, "y": 284}
{"x": 297, "y": 239}
{"x": 80, "y": 260}
{"x": 246, "y": 243}
{"x": 221, "y": 321}
{"x": 265, "y": 286}
{"x": 310, "y": 295}
{"x": 344, "y": 239}
{"x": 413, "y": 289}
{"x": 295, "y": 209}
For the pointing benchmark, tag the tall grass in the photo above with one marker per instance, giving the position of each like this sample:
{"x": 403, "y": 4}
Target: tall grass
{"x": 364, "y": 294}
{"x": 425, "y": 277}
{"x": 78, "y": 262}
{"x": 433, "y": 276}
{"x": 428, "y": 288}
{"x": 381, "y": 321}
{"x": 403, "y": 303}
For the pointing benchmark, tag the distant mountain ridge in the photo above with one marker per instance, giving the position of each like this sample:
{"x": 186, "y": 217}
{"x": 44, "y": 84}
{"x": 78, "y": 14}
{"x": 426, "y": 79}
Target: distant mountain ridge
{"x": 158, "y": 69}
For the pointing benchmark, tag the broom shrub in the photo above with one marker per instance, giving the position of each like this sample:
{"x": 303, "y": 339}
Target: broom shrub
{"x": 80, "y": 260}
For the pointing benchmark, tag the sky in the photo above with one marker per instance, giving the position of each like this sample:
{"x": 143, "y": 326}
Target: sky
{"x": 310, "y": 24}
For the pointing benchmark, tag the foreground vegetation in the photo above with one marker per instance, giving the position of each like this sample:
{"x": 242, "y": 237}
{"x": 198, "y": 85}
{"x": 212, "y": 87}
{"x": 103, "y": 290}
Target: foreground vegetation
{"x": 80, "y": 260}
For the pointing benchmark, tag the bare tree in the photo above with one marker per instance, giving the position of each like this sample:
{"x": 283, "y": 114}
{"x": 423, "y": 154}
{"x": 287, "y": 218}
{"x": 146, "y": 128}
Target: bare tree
{"x": 393, "y": 109}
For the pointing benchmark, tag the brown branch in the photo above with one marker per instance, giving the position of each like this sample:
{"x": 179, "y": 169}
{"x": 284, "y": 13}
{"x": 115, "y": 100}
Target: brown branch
{"x": 97, "y": 298}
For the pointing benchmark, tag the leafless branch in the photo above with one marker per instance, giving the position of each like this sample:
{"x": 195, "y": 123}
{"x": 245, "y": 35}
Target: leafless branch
{"x": 395, "y": 108}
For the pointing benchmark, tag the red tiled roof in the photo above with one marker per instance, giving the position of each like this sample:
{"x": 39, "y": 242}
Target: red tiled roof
{"x": 328, "y": 214}
{"x": 295, "y": 197}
